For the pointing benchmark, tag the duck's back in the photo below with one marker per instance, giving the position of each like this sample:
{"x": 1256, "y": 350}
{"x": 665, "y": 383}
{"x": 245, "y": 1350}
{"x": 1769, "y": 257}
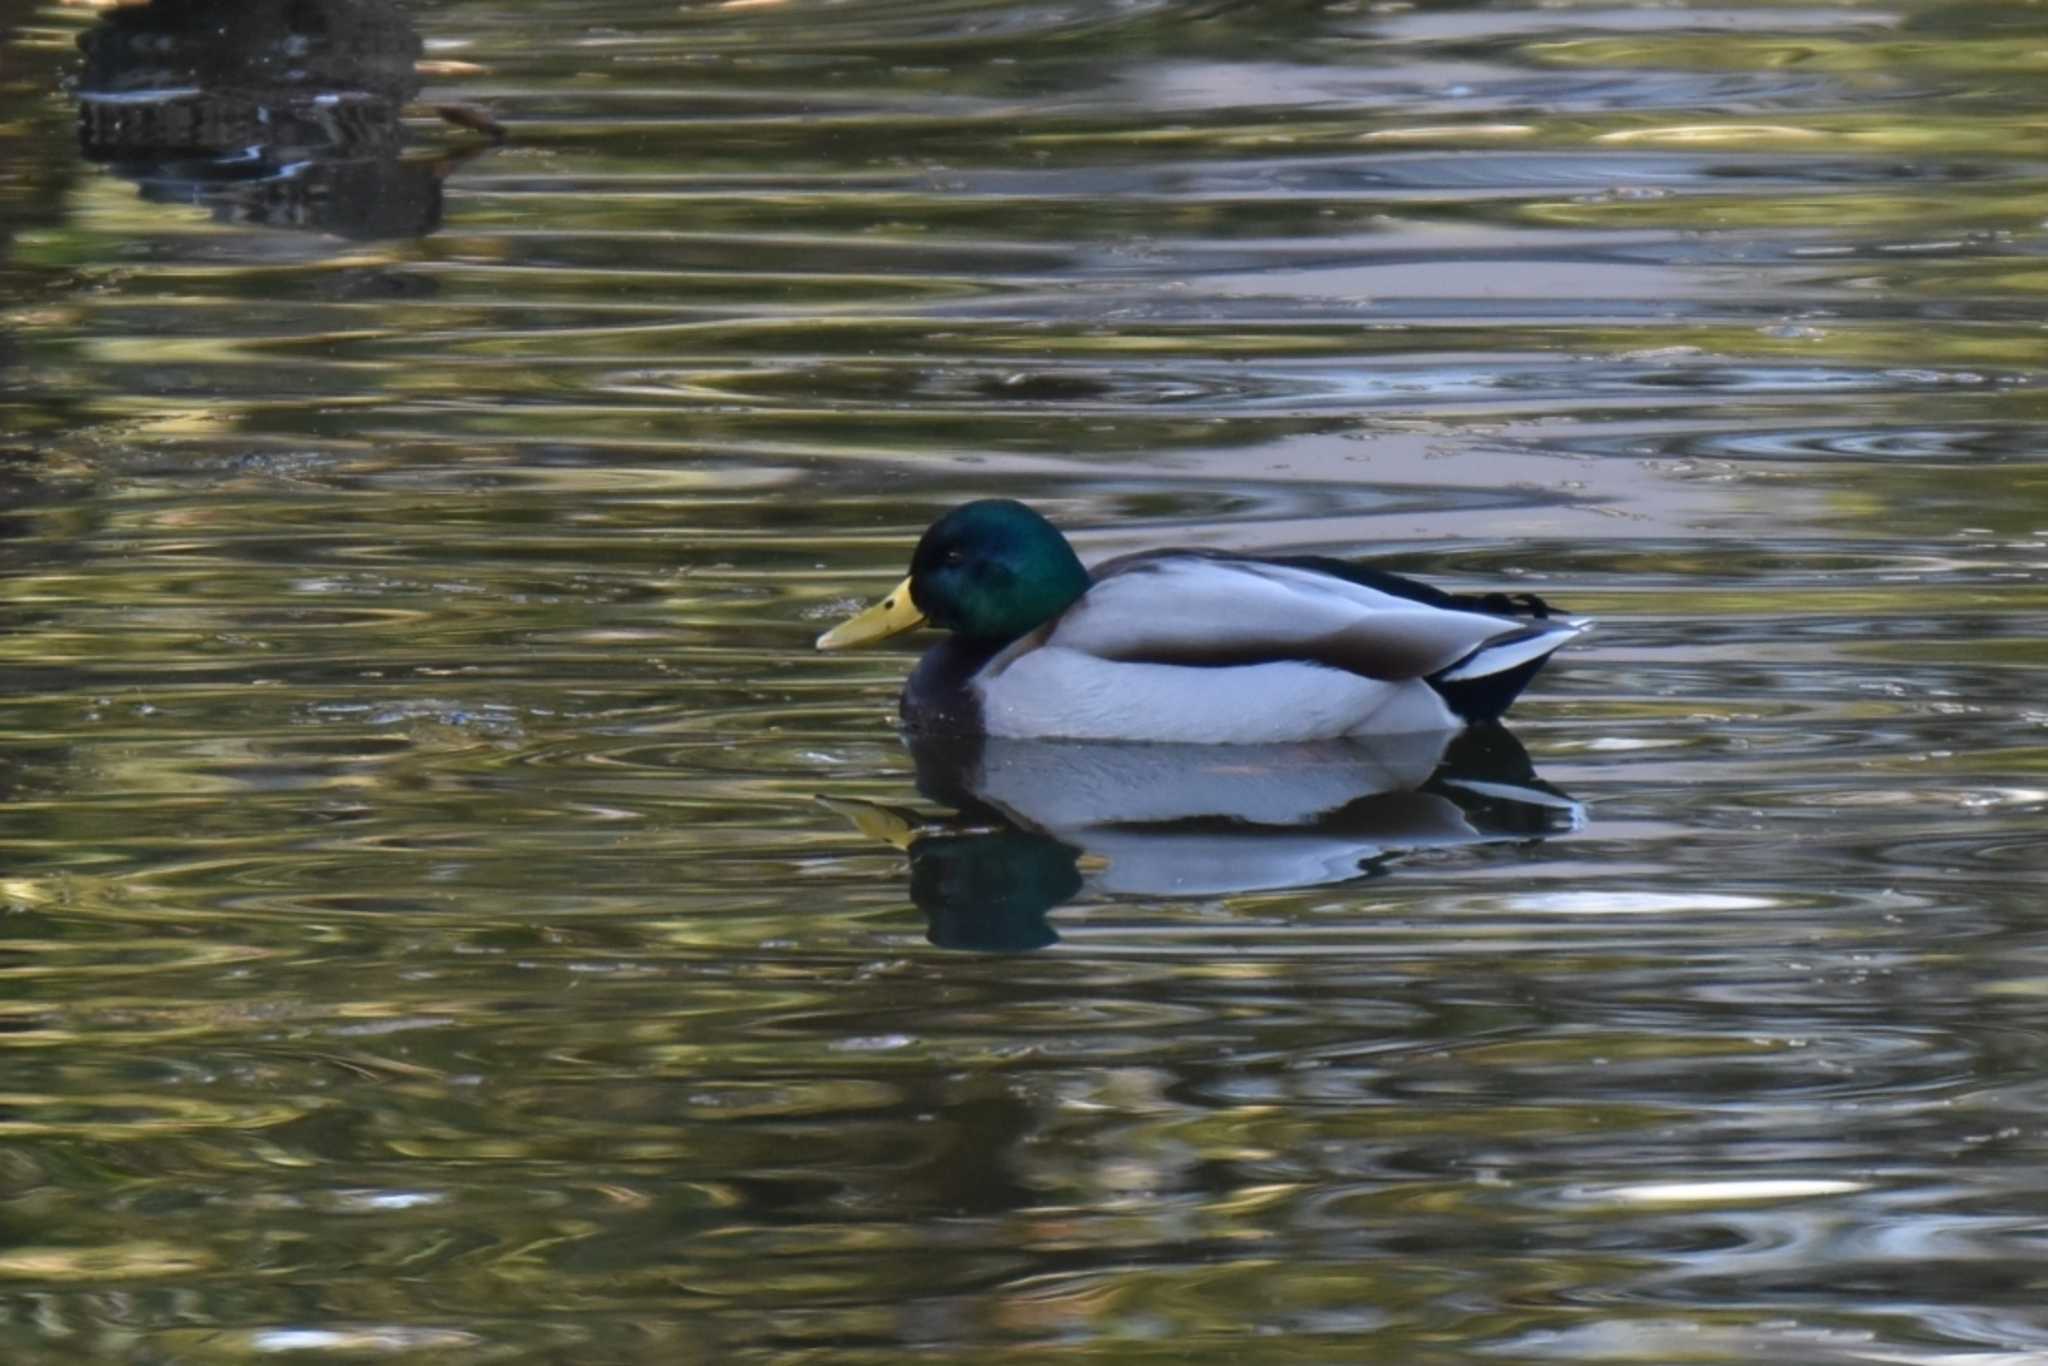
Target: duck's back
{"x": 1198, "y": 646}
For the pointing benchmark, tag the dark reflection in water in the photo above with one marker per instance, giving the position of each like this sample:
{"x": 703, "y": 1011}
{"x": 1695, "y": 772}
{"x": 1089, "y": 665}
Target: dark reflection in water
{"x": 1190, "y": 820}
{"x": 273, "y": 113}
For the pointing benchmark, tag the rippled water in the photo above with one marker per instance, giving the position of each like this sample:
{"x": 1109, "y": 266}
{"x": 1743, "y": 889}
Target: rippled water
{"x": 452, "y": 914}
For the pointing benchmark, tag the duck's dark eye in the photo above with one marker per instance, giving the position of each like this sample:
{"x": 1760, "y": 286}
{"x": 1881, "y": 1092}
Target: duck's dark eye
{"x": 955, "y": 556}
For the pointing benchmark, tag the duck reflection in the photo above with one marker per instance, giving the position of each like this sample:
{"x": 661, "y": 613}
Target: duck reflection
{"x": 1039, "y": 821}
{"x": 279, "y": 113}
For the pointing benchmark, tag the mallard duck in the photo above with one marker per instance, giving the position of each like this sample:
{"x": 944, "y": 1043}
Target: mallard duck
{"x": 1190, "y": 645}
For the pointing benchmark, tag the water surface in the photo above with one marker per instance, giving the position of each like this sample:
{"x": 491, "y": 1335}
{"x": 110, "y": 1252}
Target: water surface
{"x": 425, "y": 936}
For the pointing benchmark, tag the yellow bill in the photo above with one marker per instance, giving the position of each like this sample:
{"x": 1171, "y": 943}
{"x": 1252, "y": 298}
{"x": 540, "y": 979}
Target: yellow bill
{"x": 889, "y": 824}
{"x": 892, "y": 616}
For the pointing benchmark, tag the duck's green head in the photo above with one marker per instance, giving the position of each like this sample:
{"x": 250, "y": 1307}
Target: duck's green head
{"x": 990, "y": 570}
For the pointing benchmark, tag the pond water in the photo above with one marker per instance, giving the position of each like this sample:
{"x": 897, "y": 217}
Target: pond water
{"x": 448, "y": 911}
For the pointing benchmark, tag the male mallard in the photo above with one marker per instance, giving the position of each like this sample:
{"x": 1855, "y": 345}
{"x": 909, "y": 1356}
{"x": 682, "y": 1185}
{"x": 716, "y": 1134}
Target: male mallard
{"x": 1190, "y": 645}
